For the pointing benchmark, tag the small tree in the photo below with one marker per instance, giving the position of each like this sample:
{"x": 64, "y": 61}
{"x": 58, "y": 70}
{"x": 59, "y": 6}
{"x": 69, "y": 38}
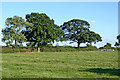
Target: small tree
{"x": 13, "y": 31}
{"x": 108, "y": 45}
{"x": 43, "y": 31}
{"x": 117, "y": 44}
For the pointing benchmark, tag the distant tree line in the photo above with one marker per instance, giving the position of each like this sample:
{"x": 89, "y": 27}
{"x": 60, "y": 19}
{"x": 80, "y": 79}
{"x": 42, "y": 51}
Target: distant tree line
{"x": 39, "y": 30}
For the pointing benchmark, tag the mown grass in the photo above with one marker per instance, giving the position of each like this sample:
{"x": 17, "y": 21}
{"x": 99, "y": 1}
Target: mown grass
{"x": 60, "y": 65}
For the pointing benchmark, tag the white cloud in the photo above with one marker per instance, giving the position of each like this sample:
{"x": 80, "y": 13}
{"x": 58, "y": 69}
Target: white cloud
{"x": 93, "y": 21}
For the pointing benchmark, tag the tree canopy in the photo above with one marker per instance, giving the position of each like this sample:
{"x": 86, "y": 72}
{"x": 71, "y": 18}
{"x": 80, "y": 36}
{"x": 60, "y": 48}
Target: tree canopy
{"x": 78, "y": 31}
{"x": 12, "y": 32}
{"x": 43, "y": 31}
{"x": 118, "y": 43}
{"x": 93, "y": 37}
{"x": 39, "y": 30}
{"x": 107, "y": 45}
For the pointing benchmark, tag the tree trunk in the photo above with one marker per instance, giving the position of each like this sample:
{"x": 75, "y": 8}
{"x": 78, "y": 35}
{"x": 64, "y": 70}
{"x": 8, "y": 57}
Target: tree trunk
{"x": 38, "y": 49}
{"x": 15, "y": 40}
{"x": 90, "y": 44}
{"x": 15, "y": 43}
{"x": 78, "y": 44}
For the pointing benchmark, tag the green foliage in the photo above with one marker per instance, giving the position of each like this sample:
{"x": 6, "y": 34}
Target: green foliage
{"x": 40, "y": 31}
{"x": 108, "y": 45}
{"x": 75, "y": 29}
{"x": 117, "y": 44}
{"x": 89, "y": 47}
{"x": 78, "y": 31}
{"x": 30, "y": 44}
{"x": 48, "y": 49}
{"x": 108, "y": 48}
{"x": 43, "y": 31}
{"x": 93, "y": 37}
{"x": 13, "y": 31}
{"x": 14, "y": 50}
{"x": 68, "y": 49}
{"x": 118, "y": 37}
{"x": 58, "y": 49}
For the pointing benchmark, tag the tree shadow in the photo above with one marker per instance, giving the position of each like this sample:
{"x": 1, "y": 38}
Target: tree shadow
{"x": 112, "y": 72}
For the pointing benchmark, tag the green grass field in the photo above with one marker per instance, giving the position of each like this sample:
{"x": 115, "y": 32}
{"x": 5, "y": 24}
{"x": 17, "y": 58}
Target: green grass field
{"x": 60, "y": 65}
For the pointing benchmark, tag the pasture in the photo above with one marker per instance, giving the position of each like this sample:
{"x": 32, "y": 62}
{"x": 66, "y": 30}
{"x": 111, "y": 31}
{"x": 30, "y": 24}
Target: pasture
{"x": 85, "y": 64}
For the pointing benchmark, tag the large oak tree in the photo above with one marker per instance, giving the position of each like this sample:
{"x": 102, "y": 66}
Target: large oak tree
{"x": 43, "y": 31}
{"x": 78, "y": 31}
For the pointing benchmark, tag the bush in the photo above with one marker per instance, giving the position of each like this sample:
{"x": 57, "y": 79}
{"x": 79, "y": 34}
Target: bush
{"x": 58, "y": 49}
{"x": 7, "y": 50}
{"x": 49, "y": 49}
{"x": 108, "y": 48}
{"x": 87, "y": 49}
{"x": 67, "y": 49}
{"x": 13, "y": 50}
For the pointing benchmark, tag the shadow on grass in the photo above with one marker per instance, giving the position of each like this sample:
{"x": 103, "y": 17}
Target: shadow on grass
{"x": 115, "y": 72}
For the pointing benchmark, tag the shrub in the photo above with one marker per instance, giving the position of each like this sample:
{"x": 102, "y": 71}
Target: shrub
{"x": 67, "y": 49}
{"x": 13, "y": 50}
{"x": 49, "y": 49}
{"x": 108, "y": 48}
